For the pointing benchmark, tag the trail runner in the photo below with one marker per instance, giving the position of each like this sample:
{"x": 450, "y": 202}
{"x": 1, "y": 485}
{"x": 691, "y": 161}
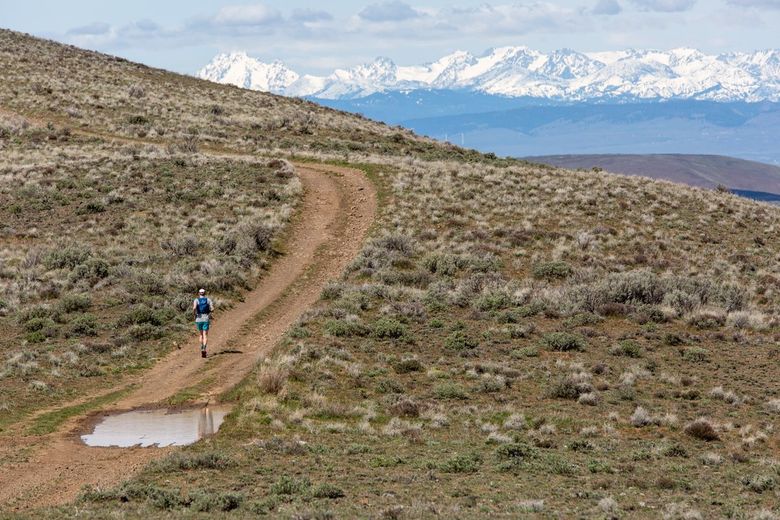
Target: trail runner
{"x": 202, "y": 307}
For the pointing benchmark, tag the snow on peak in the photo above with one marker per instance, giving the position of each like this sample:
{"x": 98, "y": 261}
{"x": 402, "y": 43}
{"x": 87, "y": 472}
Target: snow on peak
{"x": 237, "y": 68}
{"x": 516, "y": 71}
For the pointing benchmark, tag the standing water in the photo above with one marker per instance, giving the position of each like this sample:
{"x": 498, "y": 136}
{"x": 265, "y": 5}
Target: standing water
{"x": 158, "y": 428}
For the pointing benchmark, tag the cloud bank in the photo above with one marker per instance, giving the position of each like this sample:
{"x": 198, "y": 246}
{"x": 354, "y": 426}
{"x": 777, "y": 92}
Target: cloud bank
{"x": 321, "y": 37}
{"x": 665, "y": 6}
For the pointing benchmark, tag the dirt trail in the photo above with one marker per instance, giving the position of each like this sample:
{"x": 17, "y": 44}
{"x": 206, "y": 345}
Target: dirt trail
{"x": 338, "y": 207}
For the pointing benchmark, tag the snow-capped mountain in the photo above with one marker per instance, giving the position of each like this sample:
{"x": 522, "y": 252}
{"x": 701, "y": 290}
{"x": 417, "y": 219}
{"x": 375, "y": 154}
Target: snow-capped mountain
{"x": 242, "y": 71}
{"x": 563, "y": 75}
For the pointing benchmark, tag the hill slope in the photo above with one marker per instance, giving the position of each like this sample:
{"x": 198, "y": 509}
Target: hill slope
{"x": 614, "y": 338}
{"x": 706, "y": 171}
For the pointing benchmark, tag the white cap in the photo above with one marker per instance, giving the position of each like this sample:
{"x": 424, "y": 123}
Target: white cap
{"x": 202, "y": 291}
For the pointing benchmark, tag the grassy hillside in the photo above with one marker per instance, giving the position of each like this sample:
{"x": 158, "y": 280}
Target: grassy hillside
{"x": 514, "y": 340}
{"x": 103, "y": 247}
{"x": 102, "y": 253}
{"x": 617, "y": 343}
{"x": 106, "y": 236}
{"x": 93, "y": 92}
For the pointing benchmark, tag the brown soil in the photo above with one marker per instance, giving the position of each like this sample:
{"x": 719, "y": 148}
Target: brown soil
{"x": 338, "y": 208}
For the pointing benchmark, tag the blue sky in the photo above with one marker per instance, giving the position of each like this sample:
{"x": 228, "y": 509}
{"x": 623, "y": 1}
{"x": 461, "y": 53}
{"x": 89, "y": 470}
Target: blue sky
{"x": 183, "y": 35}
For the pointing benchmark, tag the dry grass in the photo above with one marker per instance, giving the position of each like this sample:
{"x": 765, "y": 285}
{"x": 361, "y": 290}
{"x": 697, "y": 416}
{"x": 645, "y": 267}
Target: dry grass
{"x": 507, "y": 325}
{"x": 594, "y": 378}
{"x": 271, "y": 380}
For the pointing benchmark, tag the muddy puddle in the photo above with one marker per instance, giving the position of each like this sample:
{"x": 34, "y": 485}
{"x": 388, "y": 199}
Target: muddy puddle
{"x": 158, "y": 428}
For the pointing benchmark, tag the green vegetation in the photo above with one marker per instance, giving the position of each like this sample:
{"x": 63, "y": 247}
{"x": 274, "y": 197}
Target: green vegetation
{"x": 48, "y": 422}
{"x": 191, "y": 393}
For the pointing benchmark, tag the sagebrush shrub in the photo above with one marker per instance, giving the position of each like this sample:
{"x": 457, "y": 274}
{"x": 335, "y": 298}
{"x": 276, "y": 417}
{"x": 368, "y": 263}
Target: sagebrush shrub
{"x": 463, "y": 463}
{"x": 707, "y": 320}
{"x": 408, "y": 365}
{"x": 759, "y": 483}
{"x": 327, "y": 491}
{"x": 388, "y": 328}
{"x": 695, "y": 354}
{"x": 66, "y": 257}
{"x": 450, "y": 391}
{"x": 287, "y": 485}
{"x": 75, "y": 303}
{"x": 389, "y": 386}
{"x": 571, "y": 386}
{"x": 552, "y": 270}
{"x": 459, "y": 341}
{"x": 627, "y": 348}
{"x": 342, "y": 328}
{"x": 84, "y": 325}
{"x": 701, "y": 429}
{"x": 563, "y": 341}
{"x": 206, "y": 502}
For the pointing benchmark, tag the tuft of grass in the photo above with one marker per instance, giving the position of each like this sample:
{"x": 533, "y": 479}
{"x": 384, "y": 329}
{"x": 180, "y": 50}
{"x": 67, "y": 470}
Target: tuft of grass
{"x": 185, "y": 461}
{"x": 189, "y": 394}
{"x": 272, "y": 379}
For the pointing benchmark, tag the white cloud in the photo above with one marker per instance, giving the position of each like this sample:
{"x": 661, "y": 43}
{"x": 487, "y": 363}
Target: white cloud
{"x": 607, "y": 7}
{"x": 147, "y": 25}
{"x": 758, "y": 4}
{"x": 247, "y": 15}
{"x": 390, "y": 11}
{"x": 310, "y": 15}
{"x": 514, "y": 19}
{"x": 486, "y": 20}
{"x": 245, "y": 26}
{"x": 665, "y": 6}
{"x": 409, "y": 30}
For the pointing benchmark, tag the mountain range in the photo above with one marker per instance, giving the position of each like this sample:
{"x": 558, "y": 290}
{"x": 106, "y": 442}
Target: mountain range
{"x": 519, "y": 72}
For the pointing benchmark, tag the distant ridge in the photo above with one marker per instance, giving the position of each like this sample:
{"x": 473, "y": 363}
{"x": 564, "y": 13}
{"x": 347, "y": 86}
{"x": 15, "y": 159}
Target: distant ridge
{"x": 748, "y": 178}
{"x": 563, "y": 75}
{"x": 774, "y": 198}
